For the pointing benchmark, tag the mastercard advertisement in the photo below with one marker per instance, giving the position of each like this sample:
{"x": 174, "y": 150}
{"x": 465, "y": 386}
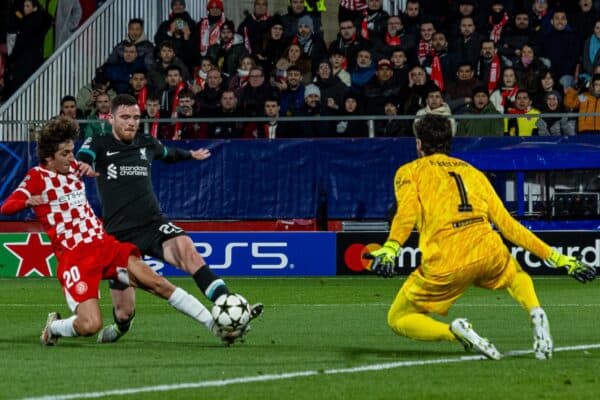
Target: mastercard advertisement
{"x": 352, "y": 246}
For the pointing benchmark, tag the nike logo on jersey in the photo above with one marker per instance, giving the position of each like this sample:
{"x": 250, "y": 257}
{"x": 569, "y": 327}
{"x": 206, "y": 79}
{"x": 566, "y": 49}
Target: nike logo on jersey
{"x": 111, "y": 153}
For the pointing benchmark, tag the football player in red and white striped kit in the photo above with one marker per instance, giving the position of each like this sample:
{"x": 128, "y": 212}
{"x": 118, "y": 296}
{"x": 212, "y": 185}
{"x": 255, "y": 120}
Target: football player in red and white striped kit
{"x": 85, "y": 252}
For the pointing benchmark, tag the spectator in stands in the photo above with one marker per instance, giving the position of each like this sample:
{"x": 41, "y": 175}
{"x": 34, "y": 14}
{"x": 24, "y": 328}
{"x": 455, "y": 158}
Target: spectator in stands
{"x": 207, "y": 100}
{"x": 240, "y": 77}
{"x": 400, "y": 67}
{"x": 27, "y": 53}
{"x": 548, "y": 83}
{"x": 226, "y": 127}
{"x": 351, "y": 128}
{"x": 480, "y": 105}
{"x": 182, "y": 129}
{"x": 489, "y": 67}
{"x": 374, "y": 21}
{"x": 586, "y": 101}
{"x": 331, "y": 88}
{"x": 291, "y": 93}
{"x": 68, "y": 108}
{"x": 255, "y": 26}
{"x": 522, "y": 126}
{"x": 338, "y": 60}
{"x": 98, "y": 122}
{"x": 419, "y": 86}
{"x": 296, "y": 10}
{"x": 313, "y": 46}
{"x": 468, "y": 44}
{"x": 228, "y": 51}
{"x": 66, "y": 15}
{"x": 382, "y": 89}
{"x": 159, "y": 130}
{"x": 590, "y": 57}
{"x": 86, "y": 96}
{"x": 529, "y": 69}
{"x": 157, "y": 73}
{"x": 169, "y": 96}
{"x": 294, "y": 56}
{"x": 425, "y": 47}
{"x": 497, "y": 21}
{"x": 440, "y": 62}
{"x": 351, "y": 10}
{"x": 412, "y": 17}
{"x": 459, "y": 93}
{"x": 393, "y": 38}
{"x": 273, "y": 128}
{"x": 561, "y": 47}
{"x": 200, "y": 73}
{"x": 435, "y": 105}
{"x": 272, "y": 45}
{"x": 584, "y": 19}
{"x": 504, "y": 97}
{"x": 348, "y": 43}
{"x": 540, "y": 16}
{"x": 120, "y": 72}
{"x": 252, "y": 98}
{"x": 315, "y": 126}
{"x": 138, "y": 87}
{"x": 363, "y": 72}
{"x": 554, "y": 126}
{"x": 178, "y": 31}
{"x": 515, "y": 37}
{"x": 209, "y": 27}
{"x": 463, "y": 9}
{"x": 135, "y": 35}
{"x": 391, "y": 127}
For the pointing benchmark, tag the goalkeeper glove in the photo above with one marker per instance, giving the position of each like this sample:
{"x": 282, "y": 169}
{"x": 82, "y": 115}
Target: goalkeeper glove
{"x": 575, "y": 267}
{"x": 384, "y": 259}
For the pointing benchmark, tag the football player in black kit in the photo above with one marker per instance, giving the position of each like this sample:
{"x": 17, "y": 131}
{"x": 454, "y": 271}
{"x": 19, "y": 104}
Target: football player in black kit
{"x": 131, "y": 213}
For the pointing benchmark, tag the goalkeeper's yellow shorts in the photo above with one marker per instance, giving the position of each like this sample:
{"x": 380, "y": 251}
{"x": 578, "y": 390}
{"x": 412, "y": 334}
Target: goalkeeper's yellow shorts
{"x": 434, "y": 287}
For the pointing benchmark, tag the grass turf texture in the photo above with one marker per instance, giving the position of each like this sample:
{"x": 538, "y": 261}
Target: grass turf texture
{"x": 309, "y": 324}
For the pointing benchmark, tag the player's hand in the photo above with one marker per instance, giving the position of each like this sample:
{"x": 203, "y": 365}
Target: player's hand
{"x": 35, "y": 201}
{"x": 575, "y": 267}
{"x": 85, "y": 169}
{"x": 200, "y": 154}
{"x": 384, "y": 259}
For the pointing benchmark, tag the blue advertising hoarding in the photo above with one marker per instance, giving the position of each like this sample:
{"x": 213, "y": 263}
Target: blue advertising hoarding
{"x": 262, "y": 254}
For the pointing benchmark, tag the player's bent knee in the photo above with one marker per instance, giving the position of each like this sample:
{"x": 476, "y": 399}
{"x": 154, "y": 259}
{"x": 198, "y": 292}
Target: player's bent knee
{"x": 87, "y": 325}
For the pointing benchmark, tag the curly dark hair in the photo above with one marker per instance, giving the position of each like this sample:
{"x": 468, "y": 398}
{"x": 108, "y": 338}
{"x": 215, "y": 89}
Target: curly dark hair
{"x": 435, "y": 133}
{"x": 55, "y": 132}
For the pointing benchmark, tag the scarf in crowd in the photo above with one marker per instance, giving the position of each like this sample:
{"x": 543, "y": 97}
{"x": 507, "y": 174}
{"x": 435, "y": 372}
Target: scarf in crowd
{"x": 497, "y": 28}
{"x": 200, "y": 78}
{"x": 424, "y": 50}
{"x": 494, "y": 77}
{"x": 243, "y": 76}
{"x": 263, "y": 18}
{"x": 392, "y": 40}
{"x": 154, "y": 126}
{"x": 509, "y": 93}
{"x": 437, "y": 75}
{"x": 141, "y": 98}
{"x": 175, "y": 104}
{"x": 594, "y": 47}
{"x": 209, "y": 36}
{"x": 305, "y": 42}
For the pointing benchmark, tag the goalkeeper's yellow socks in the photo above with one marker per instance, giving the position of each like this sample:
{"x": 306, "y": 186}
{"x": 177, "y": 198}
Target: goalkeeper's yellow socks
{"x": 419, "y": 326}
{"x": 522, "y": 290}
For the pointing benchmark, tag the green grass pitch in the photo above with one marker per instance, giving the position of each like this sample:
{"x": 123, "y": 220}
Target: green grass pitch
{"x": 316, "y": 330}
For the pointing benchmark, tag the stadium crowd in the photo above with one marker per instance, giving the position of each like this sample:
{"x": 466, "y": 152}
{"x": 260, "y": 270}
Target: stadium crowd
{"x": 410, "y": 57}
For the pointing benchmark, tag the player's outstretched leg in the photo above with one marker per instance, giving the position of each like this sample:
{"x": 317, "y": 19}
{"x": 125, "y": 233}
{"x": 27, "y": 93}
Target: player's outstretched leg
{"x": 542, "y": 340}
{"x": 462, "y": 329}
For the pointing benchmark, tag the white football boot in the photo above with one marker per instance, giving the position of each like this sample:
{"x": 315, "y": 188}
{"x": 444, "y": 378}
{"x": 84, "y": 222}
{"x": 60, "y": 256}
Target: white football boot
{"x": 462, "y": 329}
{"x": 542, "y": 340}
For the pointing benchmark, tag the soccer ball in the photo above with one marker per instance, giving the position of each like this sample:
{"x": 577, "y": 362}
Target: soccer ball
{"x": 231, "y": 312}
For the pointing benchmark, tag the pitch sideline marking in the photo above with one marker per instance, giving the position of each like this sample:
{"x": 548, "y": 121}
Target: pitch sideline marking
{"x": 291, "y": 375}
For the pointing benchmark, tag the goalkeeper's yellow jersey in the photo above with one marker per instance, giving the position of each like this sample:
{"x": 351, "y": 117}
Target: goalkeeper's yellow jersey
{"x": 452, "y": 204}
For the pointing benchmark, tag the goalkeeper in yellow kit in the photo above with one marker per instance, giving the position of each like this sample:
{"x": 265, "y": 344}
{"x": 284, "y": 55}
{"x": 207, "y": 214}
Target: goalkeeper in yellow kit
{"x": 452, "y": 204}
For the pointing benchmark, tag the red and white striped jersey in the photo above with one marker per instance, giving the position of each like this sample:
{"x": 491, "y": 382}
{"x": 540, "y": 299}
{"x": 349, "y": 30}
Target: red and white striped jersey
{"x": 354, "y": 5}
{"x": 66, "y": 214}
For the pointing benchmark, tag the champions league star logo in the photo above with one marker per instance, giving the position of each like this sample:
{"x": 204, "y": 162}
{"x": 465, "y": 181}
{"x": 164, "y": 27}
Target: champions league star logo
{"x": 143, "y": 154}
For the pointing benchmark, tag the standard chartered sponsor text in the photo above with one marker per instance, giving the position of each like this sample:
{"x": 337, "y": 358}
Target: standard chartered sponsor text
{"x": 135, "y": 170}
